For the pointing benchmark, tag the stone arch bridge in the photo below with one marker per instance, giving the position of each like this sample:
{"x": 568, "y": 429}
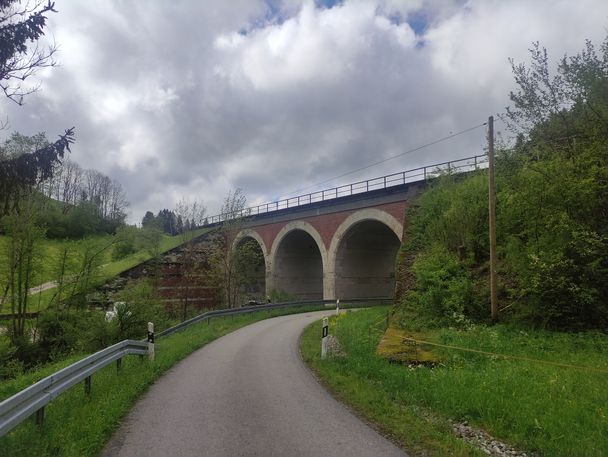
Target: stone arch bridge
{"x": 341, "y": 242}
{"x": 339, "y": 248}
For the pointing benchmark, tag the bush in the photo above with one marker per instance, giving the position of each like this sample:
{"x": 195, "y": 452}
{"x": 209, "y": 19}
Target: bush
{"x": 444, "y": 292}
{"x": 78, "y": 221}
{"x": 140, "y": 304}
{"x": 10, "y": 367}
{"x": 62, "y": 332}
{"x": 566, "y": 286}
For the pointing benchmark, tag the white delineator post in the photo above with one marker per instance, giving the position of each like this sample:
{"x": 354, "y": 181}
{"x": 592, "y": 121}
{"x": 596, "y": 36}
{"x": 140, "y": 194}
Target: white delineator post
{"x": 151, "y": 340}
{"x": 337, "y": 306}
{"x": 324, "y": 338}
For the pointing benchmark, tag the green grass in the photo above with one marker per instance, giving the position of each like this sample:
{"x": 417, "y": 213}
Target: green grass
{"x": 50, "y": 250}
{"x": 167, "y": 243}
{"x": 48, "y": 253}
{"x": 78, "y": 426}
{"x": 551, "y": 410}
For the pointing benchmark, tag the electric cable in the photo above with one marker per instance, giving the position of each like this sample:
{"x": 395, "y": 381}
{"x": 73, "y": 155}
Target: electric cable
{"x": 409, "y": 151}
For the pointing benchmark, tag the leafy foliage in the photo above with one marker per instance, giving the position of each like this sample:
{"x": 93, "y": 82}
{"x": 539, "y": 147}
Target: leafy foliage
{"x": 30, "y": 169}
{"x": 552, "y": 209}
{"x": 445, "y": 290}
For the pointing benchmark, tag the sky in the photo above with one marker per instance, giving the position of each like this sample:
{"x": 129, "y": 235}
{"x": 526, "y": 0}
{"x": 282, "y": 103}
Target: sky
{"x": 191, "y": 99}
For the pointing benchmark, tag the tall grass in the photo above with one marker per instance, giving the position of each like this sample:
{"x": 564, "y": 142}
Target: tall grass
{"x": 554, "y": 411}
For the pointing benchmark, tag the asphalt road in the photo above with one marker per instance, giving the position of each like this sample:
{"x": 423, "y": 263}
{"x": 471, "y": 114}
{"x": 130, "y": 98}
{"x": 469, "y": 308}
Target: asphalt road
{"x": 246, "y": 394}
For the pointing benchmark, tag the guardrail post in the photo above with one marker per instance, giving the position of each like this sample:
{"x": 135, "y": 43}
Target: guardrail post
{"x": 40, "y": 416}
{"x": 87, "y": 385}
{"x": 118, "y": 364}
{"x": 151, "y": 340}
{"x": 337, "y": 306}
{"x": 324, "y": 336}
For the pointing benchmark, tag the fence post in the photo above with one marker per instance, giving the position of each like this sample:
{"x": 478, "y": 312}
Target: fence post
{"x": 151, "y": 340}
{"x": 40, "y": 416}
{"x": 324, "y": 338}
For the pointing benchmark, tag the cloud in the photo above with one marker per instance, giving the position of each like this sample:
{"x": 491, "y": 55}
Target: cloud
{"x": 185, "y": 99}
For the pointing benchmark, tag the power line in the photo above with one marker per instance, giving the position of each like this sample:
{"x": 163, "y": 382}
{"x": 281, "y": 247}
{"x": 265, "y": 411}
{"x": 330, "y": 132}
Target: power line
{"x": 409, "y": 151}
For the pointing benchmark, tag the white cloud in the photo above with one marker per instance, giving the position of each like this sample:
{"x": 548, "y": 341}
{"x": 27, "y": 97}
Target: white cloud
{"x": 182, "y": 98}
{"x": 316, "y": 46}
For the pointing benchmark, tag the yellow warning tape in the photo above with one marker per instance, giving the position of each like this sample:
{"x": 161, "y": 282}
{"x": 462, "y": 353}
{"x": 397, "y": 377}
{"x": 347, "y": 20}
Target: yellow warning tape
{"x": 514, "y": 357}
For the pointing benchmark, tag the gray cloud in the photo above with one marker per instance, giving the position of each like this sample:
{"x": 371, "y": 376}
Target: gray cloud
{"x": 186, "y": 99}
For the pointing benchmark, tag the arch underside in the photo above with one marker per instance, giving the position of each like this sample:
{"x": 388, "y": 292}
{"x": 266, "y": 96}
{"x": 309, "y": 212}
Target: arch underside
{"x": 365, "y": 261}
{"x": 298, "y": 266}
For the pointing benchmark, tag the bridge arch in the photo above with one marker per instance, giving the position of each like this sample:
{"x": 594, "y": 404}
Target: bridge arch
{"x": 361, "y": 256}
{"x": 250, "y": 233}
{"x": 257, "y": 278}
{"x": 298, "y": 260}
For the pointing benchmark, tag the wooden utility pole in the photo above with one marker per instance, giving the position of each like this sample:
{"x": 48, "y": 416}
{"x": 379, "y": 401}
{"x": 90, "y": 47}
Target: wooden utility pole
{"x": 492, "y": 220}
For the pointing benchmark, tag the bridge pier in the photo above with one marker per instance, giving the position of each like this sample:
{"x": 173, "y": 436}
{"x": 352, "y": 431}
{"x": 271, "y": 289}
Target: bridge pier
{"x": 329, "y": 284}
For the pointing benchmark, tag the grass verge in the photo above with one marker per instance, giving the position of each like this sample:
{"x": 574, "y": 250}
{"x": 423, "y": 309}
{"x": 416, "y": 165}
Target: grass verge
{"x": 551, "y": 410}
{"x": 76, "y": 425}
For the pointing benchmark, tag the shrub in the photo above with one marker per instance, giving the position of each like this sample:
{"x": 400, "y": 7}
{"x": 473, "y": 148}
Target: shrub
{"x": 10, "y": 367}
{"x": 444, "y": 291}
{"x": 140, "y": 305}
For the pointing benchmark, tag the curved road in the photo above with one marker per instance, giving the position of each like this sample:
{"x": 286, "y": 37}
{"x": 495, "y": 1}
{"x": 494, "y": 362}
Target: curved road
{"x": 246, "y": 394}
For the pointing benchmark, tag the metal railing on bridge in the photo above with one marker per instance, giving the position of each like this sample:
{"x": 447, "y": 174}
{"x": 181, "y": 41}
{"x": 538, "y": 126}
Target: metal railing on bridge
{"x": 419, "y": 174}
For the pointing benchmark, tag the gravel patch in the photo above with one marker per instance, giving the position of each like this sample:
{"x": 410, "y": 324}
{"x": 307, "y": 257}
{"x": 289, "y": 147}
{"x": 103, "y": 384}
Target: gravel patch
{"x": 491, "y": 446}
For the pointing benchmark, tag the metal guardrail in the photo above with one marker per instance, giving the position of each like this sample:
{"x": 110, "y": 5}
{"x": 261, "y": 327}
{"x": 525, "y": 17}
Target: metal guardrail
{"x": 419, "y": 174}
{"x": 33, "y": 399}
{"x": 267, "y": 307}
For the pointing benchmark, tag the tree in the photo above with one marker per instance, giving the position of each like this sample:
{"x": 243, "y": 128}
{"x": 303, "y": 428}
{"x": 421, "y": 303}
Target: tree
{"x": 556, "y": 188}
{"x": 150, "y": 241}
{"x": 148, "y": 220}
{"x": 558, "y": 110}
{"x": 233, "y": 267}
{"x": 24, "y": 235}
{"x": 22, "y": 24}
{"x": 29, "y": 169}
{"x": 167, "y": 221}
{"x": 189, "y": 258}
